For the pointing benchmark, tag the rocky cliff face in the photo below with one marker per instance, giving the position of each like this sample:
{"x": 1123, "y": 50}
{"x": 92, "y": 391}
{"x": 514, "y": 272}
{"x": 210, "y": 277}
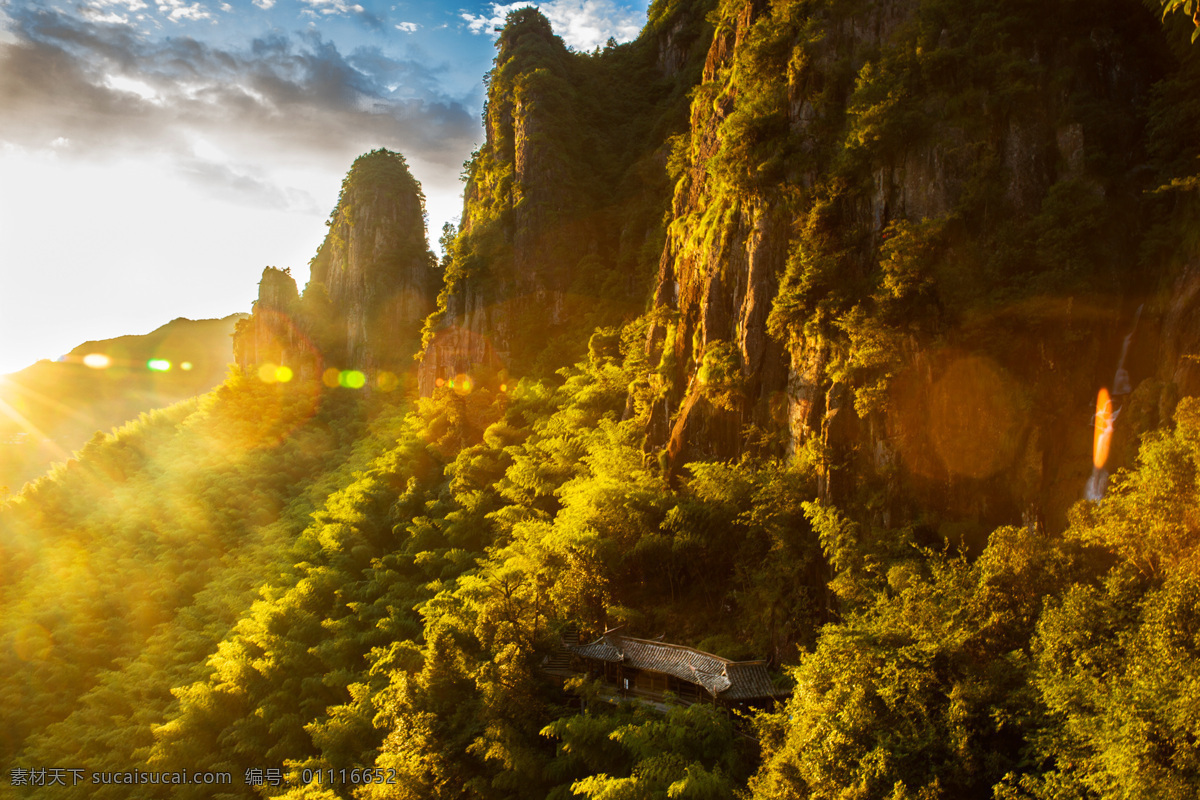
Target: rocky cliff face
{"x": 895, "y": 239}
{"x": 898, "y": 228}
{"x": 375, "y": 266}
{"x": 563, "y": 204}
{"x": 891, "y": 239}
{"x": 270, "y": 335}
{"x": 1179, "y": 357}
{"x": 373, "y": 282}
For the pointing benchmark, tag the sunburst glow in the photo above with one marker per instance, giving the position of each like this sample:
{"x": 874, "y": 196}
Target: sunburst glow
{"x": 97, "y": 361}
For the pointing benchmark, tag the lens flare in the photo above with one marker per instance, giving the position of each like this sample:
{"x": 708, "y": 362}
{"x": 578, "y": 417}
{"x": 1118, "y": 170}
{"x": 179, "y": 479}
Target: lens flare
{"x": 284, "y": 374}
{"x": 186, "y": 366}
{"x": 267, "y": 373}
{"x": 158, "y": 365}
{"x": 330, "y": 377}
{"x": 387, "y": 381}
{"x": 97, "y": 361}
{"x": 1102, "y": 437}
{"x": 352, "y": 379}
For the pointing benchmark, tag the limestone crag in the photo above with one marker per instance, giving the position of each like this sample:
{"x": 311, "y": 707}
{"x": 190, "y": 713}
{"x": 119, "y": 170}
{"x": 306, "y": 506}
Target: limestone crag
{"x": 828, "y": 147}
{"x": 1179, "y": 358}
{"x": 272, "y": 334}
{"x": 375, "y": 266}
{"x": 516, "y": 209}
{"x": 372, "y": 283}
{"x": 563, "y": 204}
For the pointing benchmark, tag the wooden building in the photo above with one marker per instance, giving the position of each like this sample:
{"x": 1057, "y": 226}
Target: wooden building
{"x": 650, "y": 669}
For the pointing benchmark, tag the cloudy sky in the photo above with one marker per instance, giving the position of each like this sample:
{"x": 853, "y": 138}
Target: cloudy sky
{"x": 155, "y": 155}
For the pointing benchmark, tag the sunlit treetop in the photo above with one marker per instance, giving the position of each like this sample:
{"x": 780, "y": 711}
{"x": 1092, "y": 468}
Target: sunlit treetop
{"x": 1189, "y": 7}
{"x": 380, "y": 168}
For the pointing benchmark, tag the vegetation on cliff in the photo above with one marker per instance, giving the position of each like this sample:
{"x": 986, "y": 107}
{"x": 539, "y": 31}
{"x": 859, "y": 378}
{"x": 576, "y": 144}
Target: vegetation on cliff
{"x": 372, "y": 283}
{"x": 564, "y": 202}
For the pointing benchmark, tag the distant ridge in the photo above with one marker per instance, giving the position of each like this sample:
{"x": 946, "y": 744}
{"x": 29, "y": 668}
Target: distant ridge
{"x": 51, "y": 408}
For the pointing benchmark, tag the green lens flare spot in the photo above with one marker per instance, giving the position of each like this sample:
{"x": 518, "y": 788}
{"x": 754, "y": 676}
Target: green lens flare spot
{"x": 352, "y": 379}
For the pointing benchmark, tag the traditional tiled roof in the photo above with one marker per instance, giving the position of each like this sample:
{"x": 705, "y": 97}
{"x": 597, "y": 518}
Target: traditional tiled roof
{"x": 730, "y": 680}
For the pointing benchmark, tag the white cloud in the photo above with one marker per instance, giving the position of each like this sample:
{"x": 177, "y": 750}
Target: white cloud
{"x": 481, "y": 24}
{"x": 408, "y": 27}
{"x": 264, "y": 4}
{"x": 93, "y": 14}
{"x": 128, "y": 5}
{"x": 178, "y": 9}
{"x": 334, "y": 6}
{"x": 108, "y": 89}
{"x": 107, "y": 11}
{"x": 140, "y": 88}
{"x": 582, "y": 24}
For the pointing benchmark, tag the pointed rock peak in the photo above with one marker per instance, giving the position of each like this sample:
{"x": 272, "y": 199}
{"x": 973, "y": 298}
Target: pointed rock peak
{"x": 528, "y": 35}
{"x": 378, "y": 169}
{"x": 276, "y": 290}
{"x": 521, "y": 23}
{"x": 375, "y": 270}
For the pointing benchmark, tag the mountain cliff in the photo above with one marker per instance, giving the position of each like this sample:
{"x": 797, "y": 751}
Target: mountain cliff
{"x": 375, "y": 264}
{"x": 901, "y": 226}
{"x": 372, "y": 283}
{"x": 563, "y": 204}
{"x": 893, "y": 238}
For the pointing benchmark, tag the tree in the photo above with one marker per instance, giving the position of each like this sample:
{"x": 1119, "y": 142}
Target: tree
{"x": 1190, "y": 7}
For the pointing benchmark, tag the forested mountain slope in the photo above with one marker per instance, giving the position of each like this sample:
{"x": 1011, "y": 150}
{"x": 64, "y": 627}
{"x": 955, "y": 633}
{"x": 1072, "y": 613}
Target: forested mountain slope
{"x": 776, "y": 332}
{"x": 56, "y": 406}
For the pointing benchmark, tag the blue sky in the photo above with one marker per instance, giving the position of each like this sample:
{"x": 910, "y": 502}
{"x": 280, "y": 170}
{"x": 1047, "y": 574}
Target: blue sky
{"x": 155, "y": 155}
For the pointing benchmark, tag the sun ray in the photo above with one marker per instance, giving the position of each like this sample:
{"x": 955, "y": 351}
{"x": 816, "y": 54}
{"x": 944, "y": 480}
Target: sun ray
{"x": 49, "y": 402}
{"x": 34, "y": 432}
